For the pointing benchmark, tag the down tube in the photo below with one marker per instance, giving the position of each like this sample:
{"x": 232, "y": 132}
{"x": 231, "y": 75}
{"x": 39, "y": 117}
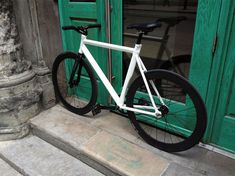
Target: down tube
{"x": 101, "y": 75}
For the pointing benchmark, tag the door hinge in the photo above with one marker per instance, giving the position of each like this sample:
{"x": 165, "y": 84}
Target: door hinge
{"x": 214, "y": 46}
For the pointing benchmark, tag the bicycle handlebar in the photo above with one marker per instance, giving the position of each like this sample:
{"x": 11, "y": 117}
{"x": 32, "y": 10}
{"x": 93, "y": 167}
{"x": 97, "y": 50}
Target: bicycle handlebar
{"x": 93, "y": 26}
{"x": 81, "y": 29}
{"x": 69, "y": 28}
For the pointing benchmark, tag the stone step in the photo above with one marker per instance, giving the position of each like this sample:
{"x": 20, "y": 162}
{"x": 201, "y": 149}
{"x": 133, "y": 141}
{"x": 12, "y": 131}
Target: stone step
{"x": 7, "y": 170}
{"x": 102, "y": 150}
{"x": 33, "y": 156}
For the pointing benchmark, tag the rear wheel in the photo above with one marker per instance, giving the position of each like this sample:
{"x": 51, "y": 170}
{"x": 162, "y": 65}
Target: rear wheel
{"x": 184, "y": 118}
{"x": 74, "y": 82}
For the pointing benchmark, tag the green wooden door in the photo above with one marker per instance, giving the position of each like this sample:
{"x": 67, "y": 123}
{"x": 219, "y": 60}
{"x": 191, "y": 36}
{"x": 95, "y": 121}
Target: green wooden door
{"x": 212, "y": 69}
{"x": 84, "y": 12}
{"x": 203, "y": 54}
{"x": 223, "y": 87}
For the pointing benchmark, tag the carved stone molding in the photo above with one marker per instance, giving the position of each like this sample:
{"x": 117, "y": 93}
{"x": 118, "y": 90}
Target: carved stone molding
{"x": 22, "y": 86}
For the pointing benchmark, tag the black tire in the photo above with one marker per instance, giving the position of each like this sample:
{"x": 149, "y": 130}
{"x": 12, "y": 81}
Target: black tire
{"x": 71, "y": 97}
{"x": 179, "y": 64}
{"x": 152, "y": 132}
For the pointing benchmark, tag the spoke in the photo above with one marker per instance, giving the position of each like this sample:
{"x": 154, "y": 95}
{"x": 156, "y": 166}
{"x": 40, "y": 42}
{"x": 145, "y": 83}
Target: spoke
{"x": 169, "y": 102}
{"x": 181, "y": 122}
{"x": 168, "y": 128}
{"x": 165, "y": 130}
{"x": 184, "y": 109}
{"x": 147, "y": 101}
{"x": 172, "y": 127}
{"x": 183, "y": 115}
{"x": 156, "y": 129}
{"x": 175, "y": 95}
{"x": 172, "y": 89}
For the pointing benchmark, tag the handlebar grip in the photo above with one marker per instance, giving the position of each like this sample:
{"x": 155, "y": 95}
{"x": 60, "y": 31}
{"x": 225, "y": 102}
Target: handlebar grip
{"x": 93, "y": 26}
{"x": 68, "y": 28}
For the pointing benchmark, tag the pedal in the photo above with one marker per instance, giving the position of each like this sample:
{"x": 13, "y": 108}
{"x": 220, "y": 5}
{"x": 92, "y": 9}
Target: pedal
{"x": 96, "y": 109}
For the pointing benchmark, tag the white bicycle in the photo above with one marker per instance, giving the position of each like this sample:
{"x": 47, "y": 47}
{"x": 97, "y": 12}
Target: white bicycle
{"x": 165, "y": 109}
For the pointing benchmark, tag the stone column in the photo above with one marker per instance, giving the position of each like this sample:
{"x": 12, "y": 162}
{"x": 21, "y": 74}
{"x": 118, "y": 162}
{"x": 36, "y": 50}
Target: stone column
{"x": 19, "y": 90}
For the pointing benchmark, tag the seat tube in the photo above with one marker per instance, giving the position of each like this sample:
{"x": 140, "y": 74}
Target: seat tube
{"x": 83, "y": 37}
{"x": 130, "y": 72}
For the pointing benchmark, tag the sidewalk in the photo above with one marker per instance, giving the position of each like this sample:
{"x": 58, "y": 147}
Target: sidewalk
{"x": 106, "y": 144}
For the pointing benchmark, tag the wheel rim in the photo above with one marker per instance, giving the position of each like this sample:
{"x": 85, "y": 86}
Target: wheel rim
{"x": 75, "y": 95}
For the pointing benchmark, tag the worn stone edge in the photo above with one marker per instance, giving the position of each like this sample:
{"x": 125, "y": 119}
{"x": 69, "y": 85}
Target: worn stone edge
{"x": 13, "y": 165}
{"x": 17, "y": 79}
{"x": 115, "y": 169}
{"x": 71, "y": 150}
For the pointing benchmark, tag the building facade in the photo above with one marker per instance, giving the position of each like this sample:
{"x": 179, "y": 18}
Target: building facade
{"x": 206, "y": 36}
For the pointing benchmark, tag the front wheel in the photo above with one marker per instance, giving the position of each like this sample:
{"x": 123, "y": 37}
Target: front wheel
{"x": 184, "y": 118}
{"x": 74, "y": 82}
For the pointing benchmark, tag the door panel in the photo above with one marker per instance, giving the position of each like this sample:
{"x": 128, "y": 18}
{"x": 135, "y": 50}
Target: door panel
{"x": 203, "y": 57}
{"x": 231, "y": 104}
{"x": 84, "y": 12}
{"x": 79, "y": 13}
{"x": 223, "y": 131}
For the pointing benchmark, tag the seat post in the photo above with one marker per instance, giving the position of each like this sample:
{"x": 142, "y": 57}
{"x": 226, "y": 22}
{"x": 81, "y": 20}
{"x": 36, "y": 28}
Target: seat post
{"x": 141, "y": 33}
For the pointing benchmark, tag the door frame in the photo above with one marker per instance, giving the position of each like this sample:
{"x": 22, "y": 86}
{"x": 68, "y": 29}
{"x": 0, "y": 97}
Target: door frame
{"x": 203, "y": 54}
{"x": 211, "y": 42}
{"x": 217, "y": 92}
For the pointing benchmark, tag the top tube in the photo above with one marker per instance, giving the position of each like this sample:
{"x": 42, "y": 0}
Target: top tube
{"x": 110, "y": 46}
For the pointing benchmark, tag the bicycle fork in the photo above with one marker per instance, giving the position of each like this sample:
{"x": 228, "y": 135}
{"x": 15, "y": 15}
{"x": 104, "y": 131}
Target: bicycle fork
{"x": 78, "y": 62}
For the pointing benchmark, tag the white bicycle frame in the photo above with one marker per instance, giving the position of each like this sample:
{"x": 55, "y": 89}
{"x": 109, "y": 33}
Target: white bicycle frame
{"x": 134, "y": 59}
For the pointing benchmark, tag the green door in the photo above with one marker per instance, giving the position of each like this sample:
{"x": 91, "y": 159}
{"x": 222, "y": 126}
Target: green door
{"x": 84, "y": 12}
{"x": 203, "y": 54}
{"x": 213, "y": 70}
{"x": 223, "y": 82}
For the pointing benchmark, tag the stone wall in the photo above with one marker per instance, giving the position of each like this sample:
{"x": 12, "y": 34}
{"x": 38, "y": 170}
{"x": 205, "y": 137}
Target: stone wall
{"x": 39, "y": 29}
{"x": 39, "y": 20}
{"x": 29, "y": 42}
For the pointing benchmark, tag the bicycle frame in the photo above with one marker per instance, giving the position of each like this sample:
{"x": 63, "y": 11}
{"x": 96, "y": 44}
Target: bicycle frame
{"x": 134, "y": 60}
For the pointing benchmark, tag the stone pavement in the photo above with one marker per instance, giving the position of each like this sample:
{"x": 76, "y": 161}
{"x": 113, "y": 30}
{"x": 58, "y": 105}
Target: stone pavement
{"x": 7, "y": 170}
{"x": 32, "y": 156}
{"x": 106, "y": 144}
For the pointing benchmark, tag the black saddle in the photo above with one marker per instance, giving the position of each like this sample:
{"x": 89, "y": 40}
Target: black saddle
{"x": 145, "y": 27}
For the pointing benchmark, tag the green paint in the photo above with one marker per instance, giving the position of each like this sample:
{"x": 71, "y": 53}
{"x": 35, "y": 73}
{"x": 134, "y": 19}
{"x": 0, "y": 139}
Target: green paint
{"x": 205, "y": 32}
{"x": 116, "y": 38}
{"x": 135, "y": 164}
{"x": 223, "y": 72}
{"x": 213, "y": 75}
{"x": 84, "y": 13}
{"x": 226, "y": 136}
{"x": 208, "y": 13}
